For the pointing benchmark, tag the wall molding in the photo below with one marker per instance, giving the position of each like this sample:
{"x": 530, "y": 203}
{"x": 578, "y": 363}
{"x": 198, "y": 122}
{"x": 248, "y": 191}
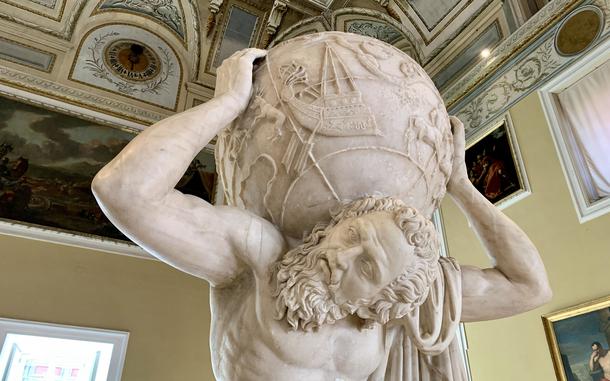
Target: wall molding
{"x": 498, "y": 88}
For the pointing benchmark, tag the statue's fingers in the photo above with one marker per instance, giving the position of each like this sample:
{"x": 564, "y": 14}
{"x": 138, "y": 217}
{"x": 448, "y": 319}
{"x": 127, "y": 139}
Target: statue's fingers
{"x": 457, "y": 128}
{"x": 252, "y": 54}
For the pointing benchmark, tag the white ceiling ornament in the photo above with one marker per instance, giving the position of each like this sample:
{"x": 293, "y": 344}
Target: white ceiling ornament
{"x": 166, "y": 12}
{"x": 129, "y": 61}
{"x": 360, "y": 21}
{"x": 379, "y": 30}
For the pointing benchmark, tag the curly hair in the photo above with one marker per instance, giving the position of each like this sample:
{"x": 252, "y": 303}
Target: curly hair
{"x": 303, "y": 296}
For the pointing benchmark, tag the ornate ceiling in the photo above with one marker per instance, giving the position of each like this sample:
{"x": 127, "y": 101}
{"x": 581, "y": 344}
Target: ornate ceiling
{"x": 137, "y": 61}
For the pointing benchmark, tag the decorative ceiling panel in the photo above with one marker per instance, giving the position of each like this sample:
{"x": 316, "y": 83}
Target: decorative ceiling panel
{"x": 376, "y": 29}
{"x": 432, "y": 12}
{"x": 52, "y": 9}
{"x": 131, "y": 62}
{"x": 58, "y": 21}
{"x": 167, "y": 12}
{"x": 26, "y": 55}
{"x": 362, "y": 21}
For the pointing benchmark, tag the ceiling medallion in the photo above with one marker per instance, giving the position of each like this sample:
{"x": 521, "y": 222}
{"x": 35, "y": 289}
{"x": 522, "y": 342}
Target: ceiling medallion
{"x": 579, "y": 30}
{"x": 132, "y": 60}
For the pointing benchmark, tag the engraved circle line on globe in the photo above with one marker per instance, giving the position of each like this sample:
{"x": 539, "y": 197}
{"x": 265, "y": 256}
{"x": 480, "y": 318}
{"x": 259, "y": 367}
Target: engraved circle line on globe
{"x": 335, "y": 117}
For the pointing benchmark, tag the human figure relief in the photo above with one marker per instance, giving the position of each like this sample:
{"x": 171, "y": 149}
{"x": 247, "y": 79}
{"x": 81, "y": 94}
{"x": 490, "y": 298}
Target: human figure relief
{"x": 364, "y": 296}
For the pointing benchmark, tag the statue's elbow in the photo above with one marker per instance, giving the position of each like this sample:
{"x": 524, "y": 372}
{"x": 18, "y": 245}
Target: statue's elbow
{"x": 100, "y": 187}
{"x": 107, "y": 190}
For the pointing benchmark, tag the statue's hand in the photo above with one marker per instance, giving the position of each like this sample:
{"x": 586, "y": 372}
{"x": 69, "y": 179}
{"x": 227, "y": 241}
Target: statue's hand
{"x": 459, "y": 174}
{"x": 234, "y": 77}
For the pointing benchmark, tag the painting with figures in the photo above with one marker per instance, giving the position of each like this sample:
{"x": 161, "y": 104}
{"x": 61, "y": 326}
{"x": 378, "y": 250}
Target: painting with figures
{"x": 494, "y": 166}
{"x": 47, "y": 163}
{"x": 579, "y": 339}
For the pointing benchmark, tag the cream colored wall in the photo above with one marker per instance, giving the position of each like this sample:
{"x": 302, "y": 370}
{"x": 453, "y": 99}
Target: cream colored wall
{"x": 166, "y": 312}
{"x": 577, "y": 257}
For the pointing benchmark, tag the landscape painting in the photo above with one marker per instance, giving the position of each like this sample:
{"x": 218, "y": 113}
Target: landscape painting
{"x": 579, "y": 338}
{"x": 47, "y": 163}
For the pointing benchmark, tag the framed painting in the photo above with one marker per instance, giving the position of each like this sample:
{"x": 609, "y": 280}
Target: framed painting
{"x": 47, "y": 162}
{"x": 495, "y": 166}
{"x": 579, "y": 339}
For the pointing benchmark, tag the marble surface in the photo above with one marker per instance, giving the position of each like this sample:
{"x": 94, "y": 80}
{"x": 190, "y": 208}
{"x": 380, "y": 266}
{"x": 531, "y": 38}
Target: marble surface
{"x": 324, "y": 265}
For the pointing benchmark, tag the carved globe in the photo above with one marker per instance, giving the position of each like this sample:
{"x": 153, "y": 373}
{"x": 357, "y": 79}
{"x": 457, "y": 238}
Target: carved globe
{"x": 335, "y": 117}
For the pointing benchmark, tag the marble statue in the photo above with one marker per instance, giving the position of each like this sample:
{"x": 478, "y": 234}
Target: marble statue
{"x": 333, "y": 151}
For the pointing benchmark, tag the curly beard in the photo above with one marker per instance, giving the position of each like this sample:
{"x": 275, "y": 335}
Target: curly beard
{"x": 304, "y": 298}
{"x": 301, "y": 290}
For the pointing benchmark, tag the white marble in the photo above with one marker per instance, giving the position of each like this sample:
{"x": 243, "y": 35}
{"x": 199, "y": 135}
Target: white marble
{"x": 341, "y": 139}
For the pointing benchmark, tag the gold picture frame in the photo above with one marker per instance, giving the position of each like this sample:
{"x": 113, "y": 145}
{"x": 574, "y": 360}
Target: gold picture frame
{"x": 570, "y": 329}
{"x": 494, "y": 163}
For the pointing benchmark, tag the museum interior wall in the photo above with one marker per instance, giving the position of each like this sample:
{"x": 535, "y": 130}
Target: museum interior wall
{"x": 575, "y": 256}
{"x": 43, "y": 56}
{"x": 166, "y": 312}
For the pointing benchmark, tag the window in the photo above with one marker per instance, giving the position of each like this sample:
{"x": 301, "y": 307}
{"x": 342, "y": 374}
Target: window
{"x": 32, "y": 351}
{"x": 576, "y": 106}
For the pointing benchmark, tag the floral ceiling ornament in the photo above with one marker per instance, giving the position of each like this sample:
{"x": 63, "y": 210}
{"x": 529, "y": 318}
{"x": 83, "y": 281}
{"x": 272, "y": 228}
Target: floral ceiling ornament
{"x": 168, "y": 12}
{"x": 100, "y": 69}
{"x": 378, "y": 30}
{"x": 129, "y": 61}
{"x": 512, "y": 86}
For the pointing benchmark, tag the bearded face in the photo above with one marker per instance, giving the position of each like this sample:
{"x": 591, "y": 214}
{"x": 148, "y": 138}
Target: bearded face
{"x": 376, "y": 266}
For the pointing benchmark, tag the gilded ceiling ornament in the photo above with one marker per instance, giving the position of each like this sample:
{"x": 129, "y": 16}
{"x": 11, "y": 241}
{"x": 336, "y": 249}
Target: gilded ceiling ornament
{"x": 579, "y": 31}
{"x": 167, "y": 12}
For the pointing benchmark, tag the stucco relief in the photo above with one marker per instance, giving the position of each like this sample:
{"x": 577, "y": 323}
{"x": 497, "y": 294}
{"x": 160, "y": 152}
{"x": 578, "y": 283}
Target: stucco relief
{"x": 304, "y": 105}
{"x": 37, "y": 85}
{"x": 525, "y": 76}
{"x": 95, "y": 67}
{"x": 378, "y": 30}
{"x": 167, "y": 12}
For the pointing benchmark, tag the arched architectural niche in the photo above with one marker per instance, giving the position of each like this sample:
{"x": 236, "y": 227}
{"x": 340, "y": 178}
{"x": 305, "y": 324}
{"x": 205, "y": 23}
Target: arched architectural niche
{"x": 101, "y": 63}
{"x": 180, "y": 17}
{"x": 360, "y": 21}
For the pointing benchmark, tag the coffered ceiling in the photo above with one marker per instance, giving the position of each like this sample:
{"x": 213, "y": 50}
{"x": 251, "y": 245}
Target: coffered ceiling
{"x": 142, "y": 60}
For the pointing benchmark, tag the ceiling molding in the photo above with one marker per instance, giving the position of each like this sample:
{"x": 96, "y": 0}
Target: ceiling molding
{"x": 66, "y": 25}
{"x": 508, "y": 49}
{"x": 525, "y": 72}
{"x": 89, "y": 66}
{"x": 170, "y": 16}
{"x": 30, "y": 83}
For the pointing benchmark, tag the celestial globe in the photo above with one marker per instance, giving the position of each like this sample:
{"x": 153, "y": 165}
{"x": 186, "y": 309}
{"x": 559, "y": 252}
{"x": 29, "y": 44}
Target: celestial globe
{"x": 335, "y": 117}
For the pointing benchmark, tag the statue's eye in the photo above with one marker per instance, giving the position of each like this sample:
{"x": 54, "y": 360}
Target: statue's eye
{"x": 366, "y": 269}
{"x": 353, "y": 234}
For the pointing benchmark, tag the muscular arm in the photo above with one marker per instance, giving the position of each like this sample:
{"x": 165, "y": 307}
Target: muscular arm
{"x": 517, "y": 282}
{"x": 136, "y": 189}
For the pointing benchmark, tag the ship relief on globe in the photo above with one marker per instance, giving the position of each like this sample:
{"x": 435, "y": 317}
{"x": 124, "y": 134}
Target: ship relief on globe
{"x": 335, "y": 117}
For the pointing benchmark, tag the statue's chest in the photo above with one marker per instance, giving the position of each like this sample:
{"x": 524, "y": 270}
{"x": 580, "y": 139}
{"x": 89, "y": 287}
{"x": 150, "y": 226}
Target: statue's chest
{"x": 342, "y": 348}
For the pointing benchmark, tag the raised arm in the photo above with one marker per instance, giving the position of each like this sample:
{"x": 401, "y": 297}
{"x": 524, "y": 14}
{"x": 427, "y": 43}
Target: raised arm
{"x": 136, "y": 189}
{"x": 517, "y": 282}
